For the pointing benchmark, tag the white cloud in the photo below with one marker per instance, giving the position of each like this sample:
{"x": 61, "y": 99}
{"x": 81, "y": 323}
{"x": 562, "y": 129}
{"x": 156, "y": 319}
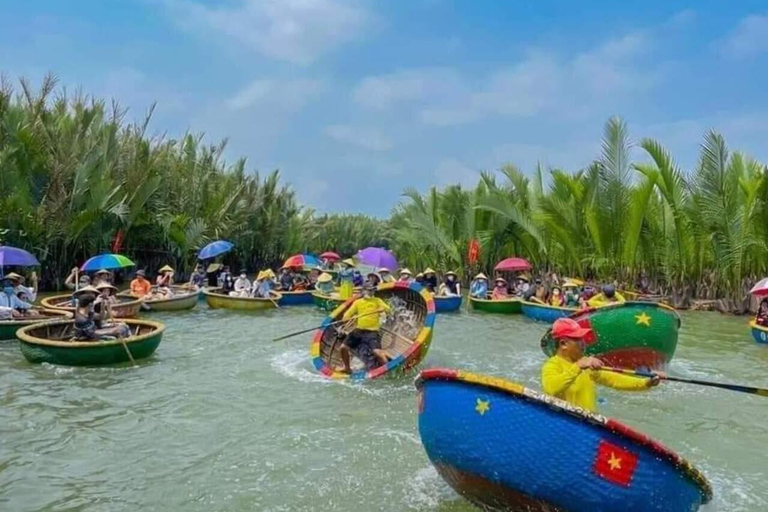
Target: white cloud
{"x": 380, "y": 92}
{"x": 284, "y": 94}
{"x": 360, "y": 137}
{"x": 452, "y": 171}
{"x": 296, "y": 31}
{"x": 749, "y": 39}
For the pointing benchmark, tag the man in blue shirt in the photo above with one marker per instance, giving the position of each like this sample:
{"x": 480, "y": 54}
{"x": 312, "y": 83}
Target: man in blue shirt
{"x": 10, "y": 305}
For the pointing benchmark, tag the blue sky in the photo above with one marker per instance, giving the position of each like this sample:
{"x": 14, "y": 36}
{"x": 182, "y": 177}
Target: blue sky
{"x": 354, "y": 100}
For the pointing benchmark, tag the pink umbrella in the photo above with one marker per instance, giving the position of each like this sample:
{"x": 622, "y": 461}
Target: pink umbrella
{"x": 330, "y": 256}
{"x": 761, "y": 288}
{"x": 513, "y": 265}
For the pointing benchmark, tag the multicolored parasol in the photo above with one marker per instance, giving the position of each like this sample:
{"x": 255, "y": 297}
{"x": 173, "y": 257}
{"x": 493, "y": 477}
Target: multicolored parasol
{"x": 301, "y": 261}
{"x": 106, "y": 262}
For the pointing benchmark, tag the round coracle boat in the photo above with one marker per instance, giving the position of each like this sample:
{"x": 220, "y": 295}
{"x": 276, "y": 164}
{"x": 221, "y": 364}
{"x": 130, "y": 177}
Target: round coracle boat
{"x": 218, "y": 300}
{"x": 183, "y": 298}
{"x": 447, "y": 304}
{"x": 544, "y": 312}
{"x": 126, "y": 307}
{"x": 9, "y": 327}
{"x": 405, "y": 334}
{"x": 327, "y": 302}
{"x": 54, "y": 343}
{"x": 759, "y": 333}
{"x": 299, "y": 298}
{"x": 637, "y": 335}
{"x": 511, "y": 306}
{"x": 505, "y": 447}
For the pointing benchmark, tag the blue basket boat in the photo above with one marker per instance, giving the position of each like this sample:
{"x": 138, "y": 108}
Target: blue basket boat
{"x": 302, "y": 298}
{"x": 505, "y": 447}
{"x": 544, "y": 312}
{"x": 759, "y": 333}
{"x": 447, "y": 304}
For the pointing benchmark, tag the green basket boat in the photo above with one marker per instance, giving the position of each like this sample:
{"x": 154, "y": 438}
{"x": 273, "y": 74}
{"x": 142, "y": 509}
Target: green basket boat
{"x": 327, "y": 302}
{"x": 633, "y": 335}
{"x": 511, "y": 306}
{"x": 183, "y": 298}
{"x": 8, "y": 328}
{"x": 218, "y": 300}
{"x": 127, "y": 306}
{"x": 52, "y": 342}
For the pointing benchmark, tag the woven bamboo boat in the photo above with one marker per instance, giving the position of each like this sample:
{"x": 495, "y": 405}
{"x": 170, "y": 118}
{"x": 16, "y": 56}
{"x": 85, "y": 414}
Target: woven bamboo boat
{"x": 126, "y": 307}
{"x": 301, "y": 298}
{"x": 8, "y": 328}
{"x": 405, "y": 335}
{"x": 52, "y": 342}
{"x": 505, "y": 447}
{"x": 628, "y": 335}
{"x": 447, "y": 304}
{"x": 218, "y": 300}
{"x": 183, "y": 298}
{"x": 511, "y": 306}
{"x": 759, "y": 333}
{"x": 544, "y": 312}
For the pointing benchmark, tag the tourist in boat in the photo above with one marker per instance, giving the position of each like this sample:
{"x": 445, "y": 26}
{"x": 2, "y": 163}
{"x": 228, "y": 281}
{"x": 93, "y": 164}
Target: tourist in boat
{"x": 25, "y": 293}
{"x": 325, "y": 283}
{"x": 357, "y": 279}
{"x": 479, "y": 287}
{"x": 226, "y": 280}
{"x": 198, "y": 277}
{"x": 242, "y": 286}
{"x": 419, "y": 279}
{"x": 140, "y": 286}
{"x": 556, "y": 297}
{"x": 608, "y": 296}
{"x": 500, "y": 289}
{"x": 11, "y": 306}
{"x": 314, "y": 274}
{"x": 430, "y": 280}
{"x": 165, "y": 276}
{"x": 76, "y": 279}
{"x": 285, "y": 281}
{"x": 571, "y": 297}
{"x": 386, "y": 275}
{"x": 264, "y": 284}
{"x": 364, "y": 339}
{"x": 346, "y": 276}
{"x": 92, "y": 326}
{"x": 300, "y": 283}
{"x": 405, "y": 276}
{"x": 762, "y": 313}
{"x": 104, "y": 301}
{"x": 450, "y": 285}
{"x": 571, "y": 376}
{"x": 102, "y": 276}
{"x": 540, "y": 292}
{"x": 372, "y": 279}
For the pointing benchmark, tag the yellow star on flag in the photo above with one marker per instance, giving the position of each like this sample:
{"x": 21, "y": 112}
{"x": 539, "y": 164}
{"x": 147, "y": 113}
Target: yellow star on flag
{"x": 614, "y": 462}
{"x": 483, "y": 406}
{"x": 643, "y": 319}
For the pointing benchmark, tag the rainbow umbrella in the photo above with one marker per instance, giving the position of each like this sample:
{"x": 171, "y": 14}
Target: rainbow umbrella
{"x": 106, "y": 262}
{"x": 301, "y": 260}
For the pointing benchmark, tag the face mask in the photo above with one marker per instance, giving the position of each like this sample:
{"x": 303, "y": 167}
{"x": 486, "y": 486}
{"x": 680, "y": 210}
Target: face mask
{"x": 556, "y": 293}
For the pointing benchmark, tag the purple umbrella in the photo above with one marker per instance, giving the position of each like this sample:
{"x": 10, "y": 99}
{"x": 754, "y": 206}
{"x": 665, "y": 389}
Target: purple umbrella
{"x": 12, "y": 256}
{"x": 377, "y": 257}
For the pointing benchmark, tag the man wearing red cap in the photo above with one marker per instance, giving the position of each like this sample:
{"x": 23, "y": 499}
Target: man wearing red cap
{"x": 570, "y": 376}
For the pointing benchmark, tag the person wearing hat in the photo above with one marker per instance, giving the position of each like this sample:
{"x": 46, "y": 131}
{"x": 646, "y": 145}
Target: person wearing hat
{"x": 364, "y": 339}
{"x": 479, "y": 287}
{"x": 373, "y": 279}
{"x": 325, "y": 283}
{"x": 263, "y": 285}
{"x": 242, "y": 286}
{"x": 451, "y": 285}
{"x": 102, "y": 276}
{"x": 76, "y": 279}
{"x": 500, "y": 289}
{"x": 419, "y": 278}
{"x": 314, "y": 274}
{"x": 405, "y": 276}
{"x": 386, "y": 275}
{"x": 104, "y": 301}
{"x": 25, "y": 293}
{"x": 285, "y": 281}
{"x": 522, "y": 285}
{"x": 608, "y": 296}
{"x": 91, "y": 325}
{"x": 11, "y": 306}
{"x": 346, "y": 278}
{"x": 571, "y": 376}
{"x": 571, "y": 298}
{"x": 430, "y": 280}
{"x": 198, "y": 277}
{"x": 165, "y": 278}
{"x": 140, "y": 286}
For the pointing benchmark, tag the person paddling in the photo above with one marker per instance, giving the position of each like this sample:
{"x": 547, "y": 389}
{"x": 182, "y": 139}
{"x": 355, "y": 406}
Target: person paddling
{"x": 571, "y": 376}
{"x": 364, "y": 339}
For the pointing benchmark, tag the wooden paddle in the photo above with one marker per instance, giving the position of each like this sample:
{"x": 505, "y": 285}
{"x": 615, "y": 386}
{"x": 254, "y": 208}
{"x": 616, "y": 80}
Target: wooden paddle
{"x": 122, "y": 340}
{"x": 721, "y": 385}
{"x": 273, "y": 300}
{"x": 325, "y": 326}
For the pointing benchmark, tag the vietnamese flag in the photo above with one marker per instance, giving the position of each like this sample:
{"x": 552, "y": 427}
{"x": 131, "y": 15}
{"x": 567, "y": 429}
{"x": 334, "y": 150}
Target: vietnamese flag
{"x": 614, "y": 464}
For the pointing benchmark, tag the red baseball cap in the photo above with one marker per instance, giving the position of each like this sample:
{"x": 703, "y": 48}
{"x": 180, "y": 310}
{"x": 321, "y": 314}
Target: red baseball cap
{"x": 569, "y": 328}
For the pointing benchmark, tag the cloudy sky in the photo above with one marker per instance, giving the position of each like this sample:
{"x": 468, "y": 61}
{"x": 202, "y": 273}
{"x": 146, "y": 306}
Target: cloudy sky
{"x": 353, "y": 100}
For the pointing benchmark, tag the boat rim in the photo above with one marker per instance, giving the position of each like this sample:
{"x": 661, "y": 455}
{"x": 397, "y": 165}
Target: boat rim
{"x": 23, "y": 335}
{"x": 754, "y": 325}
{"x": 496, "y": 301}
{"x": 559, "y": 308}
{"x": 59, "y": 313}
{"x": 276, "y": 296}
{"x": 616, "y": 427}
{"x": 47, "y": 304}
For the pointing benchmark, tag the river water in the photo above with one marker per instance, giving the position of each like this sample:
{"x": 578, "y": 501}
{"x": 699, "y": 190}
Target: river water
{"x": 224, "y": 419}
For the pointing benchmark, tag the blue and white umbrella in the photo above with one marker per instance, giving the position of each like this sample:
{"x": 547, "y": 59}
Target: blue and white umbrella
{"x": 214, "y": 249}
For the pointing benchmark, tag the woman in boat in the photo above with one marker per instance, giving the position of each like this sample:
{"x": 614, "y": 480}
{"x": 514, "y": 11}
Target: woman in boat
{"x": 102, "y": 276}
{"x": 140, "y": 286}
{"x": 405, "y": 276}
{"x": 540, "y": 292}
{"x": 386, "y": 275}
{"x": 451, "y": 284}
{"x": 91, "y": 326}
{"x": 430, "y": 280}
{"x": 262, "y": 285}
{"x": 522, "y": 285}
{"x": 571, "y": 376}
{"x": 372, "y": 279}
{"x": 325, "y": 284}
{"x": 242, "y": 286}
{"x": 556, "y": 297}
{"x": 762, "y": 313}
{"x": 479, "y": 287}
{"x": 500, "y": 289}
{"x": 103, "y": 303}
{"x": 300, "y": 283}
{"x": 165, "y": 277}
{"x": 571, "y": 299}
{"x": 419, "y": 278}
{"x": 25, "y": 293}
{"x": 345, "y": 279}
{"x": 198, "y": 278}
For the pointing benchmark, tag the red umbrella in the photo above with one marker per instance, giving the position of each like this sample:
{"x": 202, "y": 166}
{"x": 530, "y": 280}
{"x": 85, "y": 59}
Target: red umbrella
{"x": 330, "y": 256}
{"x": 513, "y": 265}
{"x": 761, "y": 288}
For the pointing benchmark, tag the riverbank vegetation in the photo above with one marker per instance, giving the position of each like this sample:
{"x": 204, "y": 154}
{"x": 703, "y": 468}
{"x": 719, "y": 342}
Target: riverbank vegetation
{"x": 76, "y": 179}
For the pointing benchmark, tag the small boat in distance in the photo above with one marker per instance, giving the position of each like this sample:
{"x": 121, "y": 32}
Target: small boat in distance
{"x": 9, "y": 327}
{"x": 216, "y": 299}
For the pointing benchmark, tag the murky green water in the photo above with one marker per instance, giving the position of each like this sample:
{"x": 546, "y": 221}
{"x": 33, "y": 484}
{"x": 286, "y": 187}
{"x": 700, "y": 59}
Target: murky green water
{"x": 223, "y": 419}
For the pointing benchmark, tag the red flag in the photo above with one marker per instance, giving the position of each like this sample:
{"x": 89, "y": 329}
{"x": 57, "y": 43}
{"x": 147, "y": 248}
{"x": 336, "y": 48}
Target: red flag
{"x": 614, "y": 464}
{"x": 474, "y": 251}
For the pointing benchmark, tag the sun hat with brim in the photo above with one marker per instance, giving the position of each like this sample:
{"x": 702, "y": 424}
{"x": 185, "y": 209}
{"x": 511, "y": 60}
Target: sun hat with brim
{"x": 406, "y": 272}
{"x": 213, "y": 267}
{"x": 141, "y": 273}
{"x": 101, "y": 286}
{"x": 15, "y": 277}
{"x": 570, "y": 284}
{"x": 349, "y": 261}
{"x": 102, "y": 271}
{"x": 325, "y": 278}
{"x": 481, "y": 276}
{"x": 420, "y": 274}
{"x": 374, "y": 274}
{"x": 166, "y": 268}
{"x": 269, "y": 272}
{"x": 450, "y": 273}
{"x": 87, "y": 289}
{"x": 568, "y": 328}
{"x": 524, "y": 277}
{"x": 500, "y": 280}
{"x": 429, "y": 271}
{"x": 385, "y": 270}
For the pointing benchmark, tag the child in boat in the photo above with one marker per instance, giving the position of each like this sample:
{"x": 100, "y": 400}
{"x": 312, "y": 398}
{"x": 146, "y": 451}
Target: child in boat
{"x": 364, "y": 339}
{"x": 242, "y": 286}
{"x": 556, "y": 297}
{"x": 451, "y": 285}
{"x": 762, "y": 313}
{"x": 479, "y": 287}
{"x": 325, "y": 283}
{"x": 500, "y": 289}
{"x": 313, "y": 275}
{"x": 299, "y": 283}
{"x": 571, "y": 376}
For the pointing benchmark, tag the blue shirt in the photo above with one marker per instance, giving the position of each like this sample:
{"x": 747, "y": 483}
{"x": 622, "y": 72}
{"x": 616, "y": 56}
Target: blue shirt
{"x": 12, "y": 301}
{"x": 479, "y": 289}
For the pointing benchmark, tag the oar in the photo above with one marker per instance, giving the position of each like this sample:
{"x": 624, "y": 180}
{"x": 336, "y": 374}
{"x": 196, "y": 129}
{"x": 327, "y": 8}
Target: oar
{"x": 273, "y": 300}
{"x": 324, "y": 326}
{"x": 122, "y": 340}
{"x": 721, "y": 385}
